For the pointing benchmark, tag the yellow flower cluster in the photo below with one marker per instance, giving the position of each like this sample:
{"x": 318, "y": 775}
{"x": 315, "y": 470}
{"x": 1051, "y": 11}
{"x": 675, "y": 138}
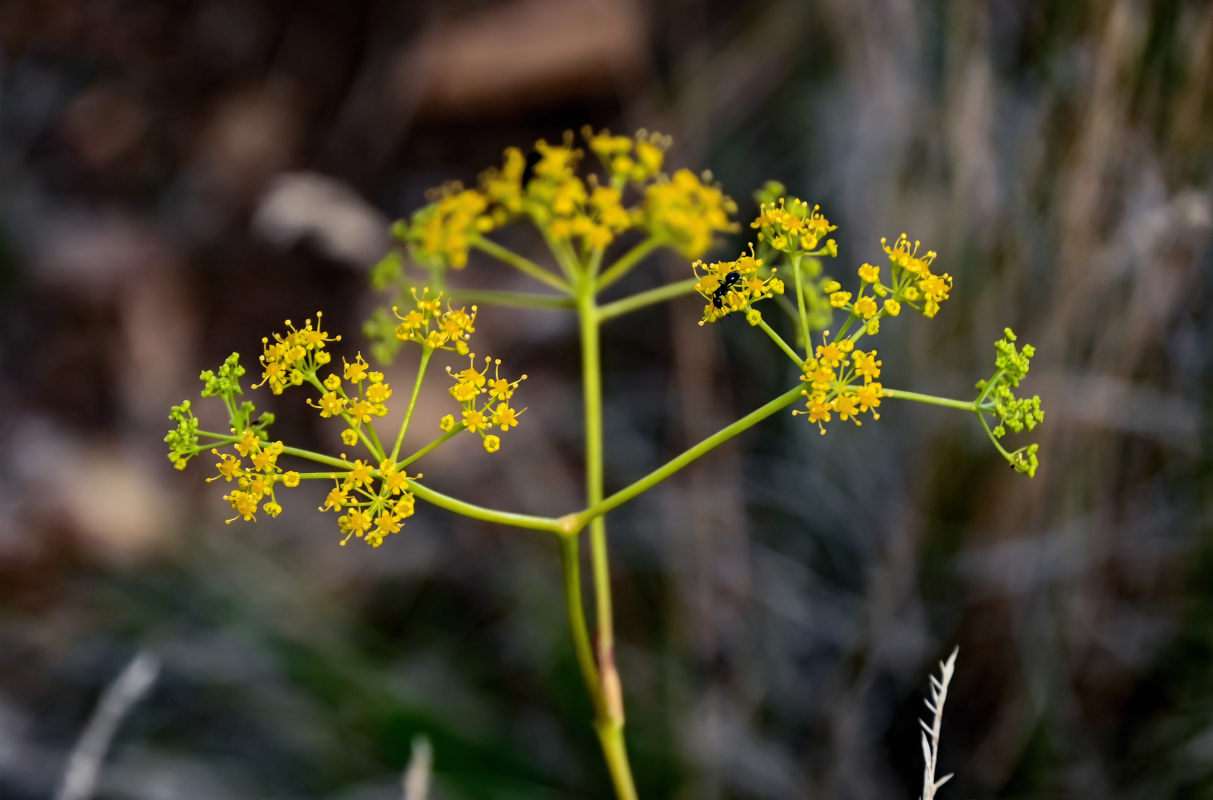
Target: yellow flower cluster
{"x": 687, "y": 213}
{"x": 913, "y": 283}
{"x": 367, "y": 511}
{"x": 290, "y": 356}
{"x": 485, "y": 401}
{"x": 588, "y": 213}
{"x": 840, "y": 380}
{"x": 442, "y": 233}
{"x": 256, "y": 480}
{"x": 368, "y": 400}
{"x": 431, "y": 327}
{"x": 730, "y": 286}
{"x": 792, "y": 226}
{"x": 635, "y": 159}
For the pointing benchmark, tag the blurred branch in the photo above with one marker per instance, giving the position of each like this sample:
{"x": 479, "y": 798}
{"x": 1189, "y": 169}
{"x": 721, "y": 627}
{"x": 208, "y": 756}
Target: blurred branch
{"x": 84, "y": 764}
{"x": 416, "y": 780}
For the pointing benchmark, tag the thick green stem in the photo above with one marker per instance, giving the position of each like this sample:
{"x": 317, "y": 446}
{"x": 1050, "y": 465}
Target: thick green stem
{"x": 609, "y": 696}
{"x": 522, "y": 264}
{"x": 591, "y": 380}
{"x": 626, "y": 261}
{"x": 615, "y": 751}
{"x": 408, "y": 415}
{"x": 646, "y": 298}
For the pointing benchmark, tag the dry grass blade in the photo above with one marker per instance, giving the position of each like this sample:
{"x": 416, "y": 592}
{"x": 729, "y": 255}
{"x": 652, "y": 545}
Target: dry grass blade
{"x": 930, "y": 733}
{"x": 417, "y": 774}
{"x": 84, "y": 764}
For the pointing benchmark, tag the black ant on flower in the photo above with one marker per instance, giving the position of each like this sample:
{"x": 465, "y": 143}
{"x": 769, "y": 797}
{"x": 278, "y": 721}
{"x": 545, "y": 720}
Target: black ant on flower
{"x": 726, "y": 284}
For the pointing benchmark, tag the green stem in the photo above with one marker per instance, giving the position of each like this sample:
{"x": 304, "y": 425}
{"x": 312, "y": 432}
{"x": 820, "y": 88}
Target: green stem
{"x": 804, "y": 314}
{"x": 686, "y": 457}
{"x": 625, "y": 262}
{"x": 515, "y": 299}
{"x": 408, "y": 415}
{"x": 370, "y": 427}
{"x": 521, "y": 264}
{"x": 994, "y": 439}
{"x": 784, "y": 346}
{"x": 528, "y": 521}
{"x": 608, "y": 704}
{"x": 646, "y": 298}
{"x": 591, "y": 380}
{"x": 570, "y": 558}
{"x": 459, "y": 428}
{"x": 930, "y": 399}
{"x": 616, "y": 754}
{"x": 595, "y": 262}
{"x": 319, "y": 458}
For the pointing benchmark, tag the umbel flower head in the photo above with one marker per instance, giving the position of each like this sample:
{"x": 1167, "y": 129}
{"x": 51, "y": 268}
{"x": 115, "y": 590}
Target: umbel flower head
{"x": 572, "y": 204}
{"x": 1016, "y": 414}
{"x": 428, "y": 325}
{"x": 289, "y": 356}
{"x": 840, "y": 380}
{"x": 372, "y": 494}
{"x": 730, "y": 286}
{"x": 790, "y": 225}
{"x": 485, "y": 401}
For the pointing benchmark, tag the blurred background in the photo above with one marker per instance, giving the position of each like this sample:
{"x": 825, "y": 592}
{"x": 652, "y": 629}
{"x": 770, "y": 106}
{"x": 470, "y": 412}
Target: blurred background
{"x": 176, "y": 178}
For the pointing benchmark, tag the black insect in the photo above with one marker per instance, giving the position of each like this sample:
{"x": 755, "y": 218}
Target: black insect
{"x": 726, "y": 283}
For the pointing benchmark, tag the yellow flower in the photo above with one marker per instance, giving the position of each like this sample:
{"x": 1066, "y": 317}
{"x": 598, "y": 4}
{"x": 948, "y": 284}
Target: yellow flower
{"x": 330, "y": 405}
{"x": 819, "y": 410}
{"x": 355, "y": 372}
{"x": 868, "y": 396}
{"x": 892, "y": 307}
{"x": 243, "y": 503}
{"x": 336, "y": 498}
{"x": 249, "y": 443}
{"x": 474, "y": 420}
{"x": 847, "y": 407}
{"x": 840, "y": 299}
{"x": 505, "y": 416}
{"x": 447, "y": 423}
{"x": 356, "y": 521}
{"x": 865, "y": 307}
{"x": 866, "y": 365}
{"x": 387, "y": 523}
{"x": 359, "y": 474}
{"x": 829, "y": 354}
{"x": 267, "y": 457}
{"x": 290, "y": 479}
{"x": 378, "y": 393}
{"x": 272, "y": 509}
{"x": 492, "y": 443}
{"x": 228, "y": 466}
{"x": 349, "y": 437}
{"x": 869, "y": 273}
